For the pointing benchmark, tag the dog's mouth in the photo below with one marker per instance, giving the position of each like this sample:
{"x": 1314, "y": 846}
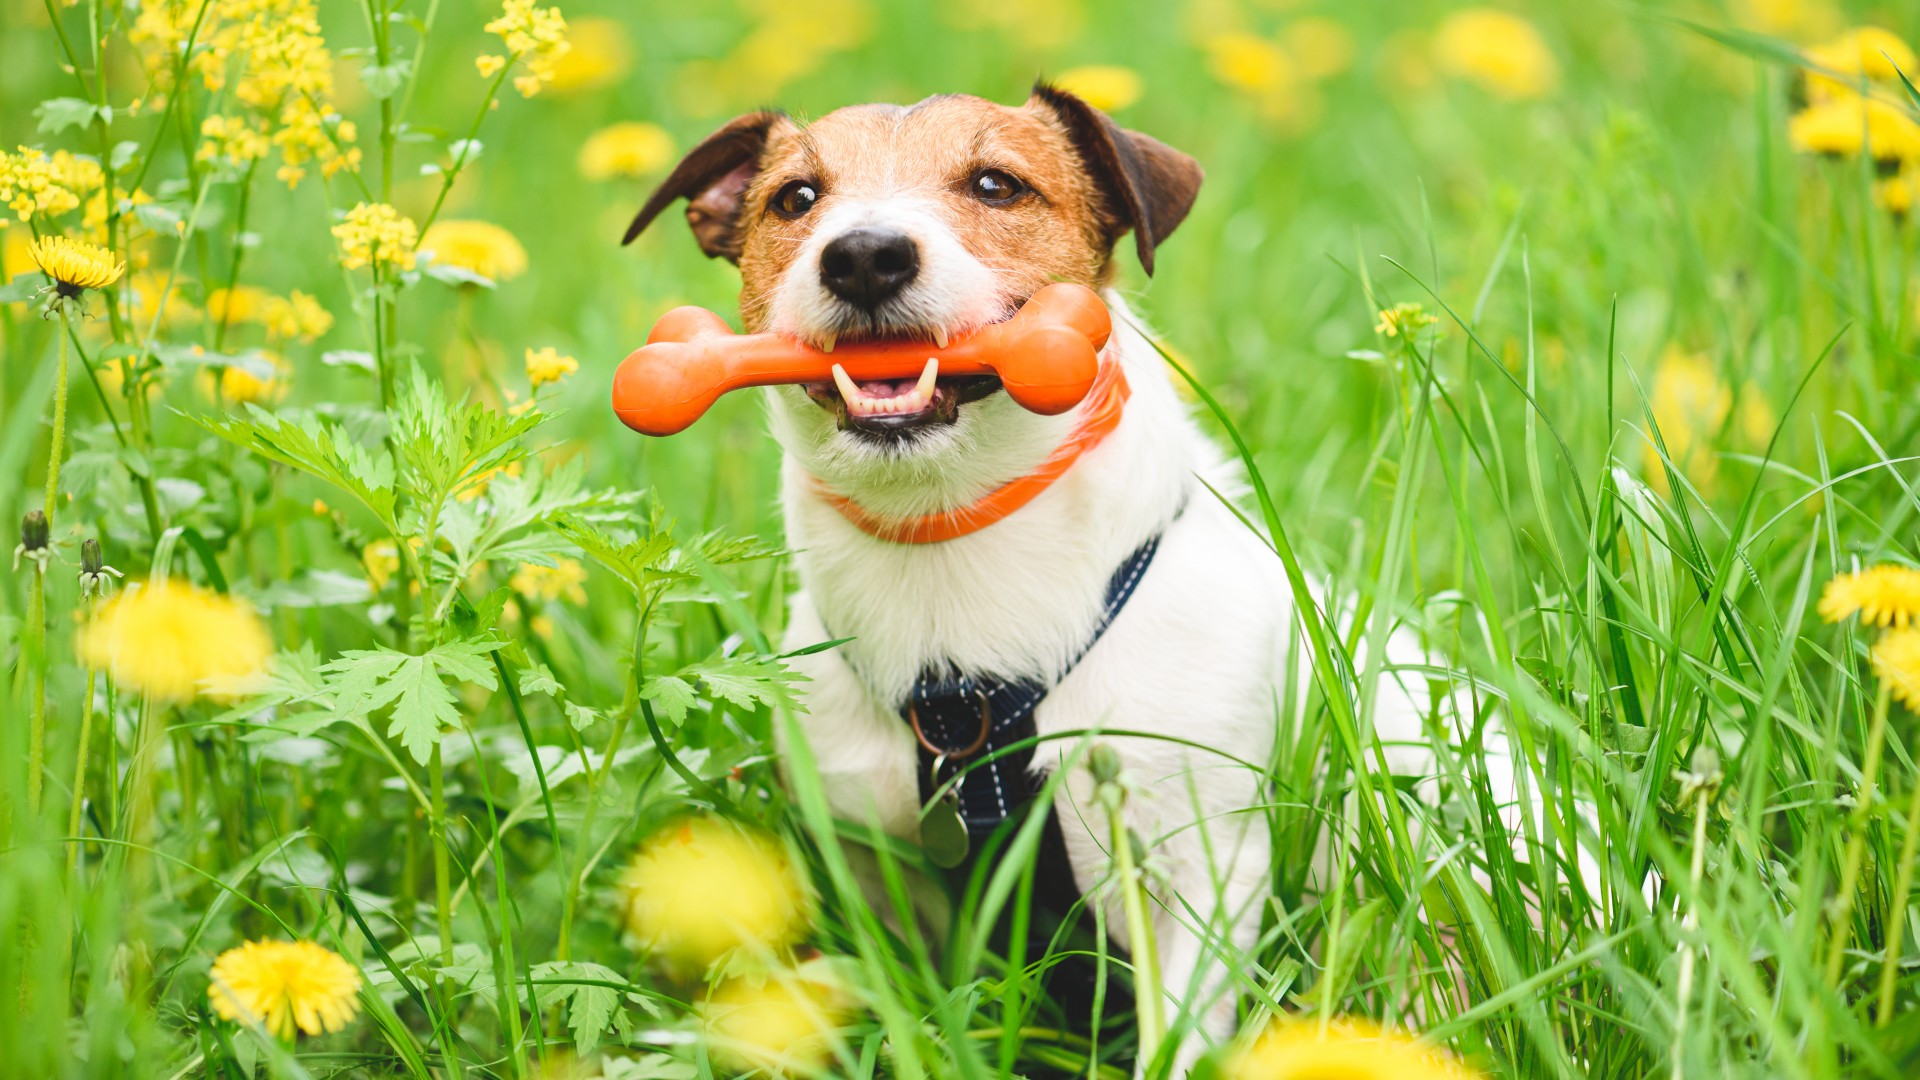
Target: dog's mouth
{"x": 890, "y": 408}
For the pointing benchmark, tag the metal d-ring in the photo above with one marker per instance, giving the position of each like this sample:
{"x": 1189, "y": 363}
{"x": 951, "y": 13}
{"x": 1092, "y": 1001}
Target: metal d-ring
{"x": 980, "y": 740}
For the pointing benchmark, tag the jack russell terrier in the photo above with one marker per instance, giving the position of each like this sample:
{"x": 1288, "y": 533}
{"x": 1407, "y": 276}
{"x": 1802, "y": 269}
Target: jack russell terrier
{"x": 1005, "y": 576}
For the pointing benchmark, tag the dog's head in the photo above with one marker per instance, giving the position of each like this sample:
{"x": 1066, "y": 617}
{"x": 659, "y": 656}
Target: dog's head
{"x": 918, "y": 222}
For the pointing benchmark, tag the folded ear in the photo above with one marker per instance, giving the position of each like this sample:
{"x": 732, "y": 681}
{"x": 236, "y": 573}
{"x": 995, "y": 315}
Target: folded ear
{"x": 1149, "y": 185}
{"x": 713, "y": 178}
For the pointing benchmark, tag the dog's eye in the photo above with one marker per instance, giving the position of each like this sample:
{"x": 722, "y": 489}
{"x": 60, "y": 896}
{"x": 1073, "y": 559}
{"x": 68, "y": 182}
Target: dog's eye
{"x": 795, "y": 199}
{"x": 996, "y": 188}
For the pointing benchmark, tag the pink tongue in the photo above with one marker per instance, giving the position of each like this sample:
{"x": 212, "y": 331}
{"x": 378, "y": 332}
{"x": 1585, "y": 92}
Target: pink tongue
{"x": 886, "y": 388}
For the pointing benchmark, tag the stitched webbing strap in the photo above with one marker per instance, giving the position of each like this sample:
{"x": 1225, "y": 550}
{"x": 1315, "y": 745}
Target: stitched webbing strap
{"x": 947, "y": 709}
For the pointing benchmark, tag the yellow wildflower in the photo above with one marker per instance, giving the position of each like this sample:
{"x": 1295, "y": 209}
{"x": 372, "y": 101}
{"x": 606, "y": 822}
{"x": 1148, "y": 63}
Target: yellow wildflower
{"x": 170, "y": 639}
{"x": 14, "y": 259}
{"x": 478, "y": 247}
{"x": 1896, "y": 659}
{"x": 1886, "y": 595}
{"x": 381, "y": 560}
{"x": 535, "y": 34}
{"x": 566, "y": 578}
{"x": 1249, "y": 62}
{"x": 240, "y": 304}
{"x": 476, "y": 486}
{"x": 1868, "y": 52}
{"x": 283, "y": 985}
{"x": 75, "y": 265}
{"x": 782, "y": 1023}
{"x": 295, "y": 316}
{"x": 1501, "y": 52}
{"x": 1408, "y": 319}
{"x": 32, "y": 182}
{"x": 1850, "y": 123}
{"x": 488, "y": 65}
{"x": 704, "y": 886}
{"x": 1690, "y": 401}
{"x": 1320, "y": 46}
{"x": 376, "y": 235}
{"x": 232, "y": 139}
{"x": 1787, "y": 18}
{"x": 260, "y": 379}
{"x": 601, "y": 54}
{"x": 1108, "y": 87}
{"x": 547, "y": 365}
{"x": 1349, "y": 1050}
{"x": 629, "y": 149}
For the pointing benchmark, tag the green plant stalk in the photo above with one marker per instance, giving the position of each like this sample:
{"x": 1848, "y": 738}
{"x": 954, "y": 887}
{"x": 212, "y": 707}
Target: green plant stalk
{"x": 80, "y": 776}
{"x": 1857, "y": 824}
{"x": 595, "y": 777}
{"x": 1683, "y": 985}
{"x": 1897, "y": 914}
{"x": 1149, "y": 1000}
{"x": 37, "y": 598}
{"x": 442, "y": 874}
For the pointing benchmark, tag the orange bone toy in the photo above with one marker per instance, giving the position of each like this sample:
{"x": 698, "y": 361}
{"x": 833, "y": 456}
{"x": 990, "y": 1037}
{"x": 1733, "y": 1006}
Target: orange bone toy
{"x": 1046, "y": 357}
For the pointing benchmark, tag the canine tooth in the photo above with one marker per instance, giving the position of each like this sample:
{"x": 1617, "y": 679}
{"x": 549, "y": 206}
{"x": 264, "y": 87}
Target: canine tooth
{"x": 848, "y": 391}
{"x": 940, "y": 336}
{"x": 923, "y": 390}
{"x": 826, "y": 343}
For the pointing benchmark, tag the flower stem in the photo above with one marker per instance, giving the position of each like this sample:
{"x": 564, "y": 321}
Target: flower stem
{"x": 1897, "y": 914}
{"x": 1857, "y": 824}
{"x": 37, "y": 599}
{"x": 80, "y": 778}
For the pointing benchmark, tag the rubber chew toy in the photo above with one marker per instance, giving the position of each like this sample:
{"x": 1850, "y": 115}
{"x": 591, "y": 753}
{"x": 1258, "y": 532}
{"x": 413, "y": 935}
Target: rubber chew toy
{"x": 1045, "y": 356}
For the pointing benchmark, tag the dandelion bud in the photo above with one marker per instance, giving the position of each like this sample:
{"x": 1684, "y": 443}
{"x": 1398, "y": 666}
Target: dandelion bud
{"x": 33, "y": 533}
{"x": 1104, "y": 762}
{"x": 91, "y": 561}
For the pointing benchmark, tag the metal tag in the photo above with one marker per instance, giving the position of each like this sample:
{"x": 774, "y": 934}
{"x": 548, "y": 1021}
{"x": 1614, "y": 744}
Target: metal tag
{"x": 943, "y": 833}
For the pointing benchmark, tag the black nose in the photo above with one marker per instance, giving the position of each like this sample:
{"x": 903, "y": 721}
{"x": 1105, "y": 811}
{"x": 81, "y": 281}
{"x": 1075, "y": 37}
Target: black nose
{"x": 866, "y": 266}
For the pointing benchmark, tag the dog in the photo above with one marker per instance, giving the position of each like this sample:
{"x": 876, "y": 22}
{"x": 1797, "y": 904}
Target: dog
{"x": 924, "y": 222}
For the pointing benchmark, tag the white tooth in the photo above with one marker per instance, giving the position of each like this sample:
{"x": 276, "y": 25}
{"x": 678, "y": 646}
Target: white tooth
{"x": 940, "y": 336}
{"x": 848, "y": 392}
{"x": 826, "y": 343}
{"x": 923, "y": 390}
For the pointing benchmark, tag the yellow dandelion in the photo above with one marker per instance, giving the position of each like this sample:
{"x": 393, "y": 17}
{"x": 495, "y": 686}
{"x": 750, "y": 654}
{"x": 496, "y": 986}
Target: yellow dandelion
{"x": 143, "y": 293}
{"x": 1344, "y": 1049}
{"x": 1108, "y": 87}
{"x": 170, "y": 640}
{"x": 75, "y": 265}
{"x": 259, "y": 379}
{"x": 1690, "y": 401}
{"x": 1321, "y": 46}
{"x": 478, "y": 247}
{"x": 548, "y": 365}
{"x": 703, "y": 887}
{"x": 1501, "y": 52}
{"x": 1249, "y": 62}
{"x": 13, "y": 252}
{"x": 376, "y": 235}
{"x": 1788, "y": 18}
{"x": 284, "y": 985}
{"x": 1896, "y": 659}
{"x": 630, "y": 149}
{"x": 565, "y": 579}
{"x": 601, "y": 54}
{"x": 1887, "y": 595}
{"x": 782, "y": 1023}
{"x": 240, "y": 304}
{"x": 1851, "y": 123}
{"x": 1869, "y": 52}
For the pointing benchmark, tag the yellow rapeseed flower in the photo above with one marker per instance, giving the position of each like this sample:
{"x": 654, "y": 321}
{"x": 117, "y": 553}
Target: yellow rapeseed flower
{"x": 535, "y": 34}
{"x": 1499, "y": 51}
{"x": 284, "y": 985}
{"x": 1885, "y": 595}
{"x": 75, "y": 265}
{"x": 1896, "y": 659}
{"x": 1344, "y": 1049}
{"x": 703, "y": 887}
{"x": 35, "y": 182}
{"x": 376, "y": 235}
{"x": 566, "y": 578}
{"x": 489, "y": 65}
{"x": 170, "y": 640}
{"x": 548, "y": 365}
{"x": 1109, "y": 87}
{"x": 600, "y": 55}
{"x": 782, "y": 1023}
{"x": 630, "y": 149}
{"x": 142, "y": 295}
{"x": 382, "y": 560}
{"x": 478, "y": 247}
{"x": 1847, "y": 124}
{"x": 295, "y": 316}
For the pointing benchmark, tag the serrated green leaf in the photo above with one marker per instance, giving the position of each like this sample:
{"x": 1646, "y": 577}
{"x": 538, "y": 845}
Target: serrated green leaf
{"x": 671, "y": 695}
{"x": 580, "y": 716}
{"x": 59, "y": 114}
{"x": 591, "y": 1005}
{"x": 746, "y": 681}
{"x": 316, "y": 447}
{"x": 539, "y": 679}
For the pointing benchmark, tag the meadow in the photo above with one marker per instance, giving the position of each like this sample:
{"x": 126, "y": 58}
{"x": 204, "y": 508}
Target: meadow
{"x": 378, "y": 705}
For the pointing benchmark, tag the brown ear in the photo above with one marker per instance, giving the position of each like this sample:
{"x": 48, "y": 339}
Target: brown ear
{"x": 713, "y": 178}
{"x": 1149, "y": 184}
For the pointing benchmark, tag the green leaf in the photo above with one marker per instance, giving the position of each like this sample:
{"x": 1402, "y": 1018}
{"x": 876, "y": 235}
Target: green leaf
{"x": 592, "y": 1006}
{"x": 539, "y": 679}
{"x": 423, "y": 708}
{"x": 746, "y": 681}
{"x": 59, "y": 114}
{"x": 24, "y": 286}
{"x": 384, "y": 80}
{"x": 671, "y": 696}
{"x": 580, "y": 716}
{"x": 319, "y": 448}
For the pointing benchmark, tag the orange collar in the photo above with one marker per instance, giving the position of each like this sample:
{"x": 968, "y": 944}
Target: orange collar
{"x": 1098, "y": 416}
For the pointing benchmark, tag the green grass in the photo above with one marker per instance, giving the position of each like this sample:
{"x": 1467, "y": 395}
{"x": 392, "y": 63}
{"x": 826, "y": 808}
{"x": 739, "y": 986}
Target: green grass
{"x": 1644, "y": 626}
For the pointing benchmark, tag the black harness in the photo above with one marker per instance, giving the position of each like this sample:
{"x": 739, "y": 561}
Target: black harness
{"x": 957, "y": 717}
